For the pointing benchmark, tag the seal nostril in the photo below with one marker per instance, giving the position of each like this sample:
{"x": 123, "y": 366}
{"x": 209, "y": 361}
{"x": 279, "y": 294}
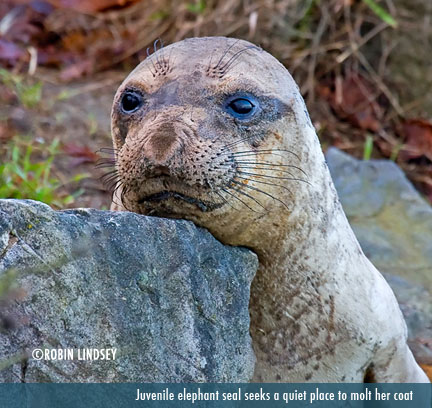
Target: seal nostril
{"x": 160, "y": 170}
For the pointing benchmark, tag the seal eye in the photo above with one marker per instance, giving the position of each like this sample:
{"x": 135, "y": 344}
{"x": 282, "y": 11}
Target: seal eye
{"x": 241, "y": 107}
{"x": 131, "y": 101}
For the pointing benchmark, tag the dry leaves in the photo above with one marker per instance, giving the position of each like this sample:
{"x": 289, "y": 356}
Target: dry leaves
{"x": 354, "y": 99}
{"x": 6, "y": 132}
{"x": 417, "y": 135}
{"x": 81, "y": 154}
{"x": 48, "y": 27}
{"x": 427, "y": 369}
{"x": 90, "y": 6}
{"x": 10, "y": 52}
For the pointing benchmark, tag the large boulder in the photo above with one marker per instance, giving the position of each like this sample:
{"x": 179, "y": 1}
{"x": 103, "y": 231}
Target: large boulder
{"x": 168, "y": 296}
{"x": 393, "y": 224}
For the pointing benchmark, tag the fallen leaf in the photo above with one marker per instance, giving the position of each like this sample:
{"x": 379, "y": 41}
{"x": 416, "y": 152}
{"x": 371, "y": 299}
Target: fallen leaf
{"x": 21, "y": 26}
{"x": 77, "y": 70}
{"x": 82, "y": 154}
{"x": 90, "y": 6}
{"x": 54, "y": 57}
{"x": 417, "y": 135}
{"x": 6, "y": 132}
{"x": 10, "y": 51}
{"x": 354, "y": 99}
{"x": 41, "y": 7}
{"x": 427, "y": 369}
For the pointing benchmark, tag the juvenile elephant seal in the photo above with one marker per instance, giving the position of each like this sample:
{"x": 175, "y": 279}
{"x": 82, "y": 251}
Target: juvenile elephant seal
{"x": 214, "y": 130}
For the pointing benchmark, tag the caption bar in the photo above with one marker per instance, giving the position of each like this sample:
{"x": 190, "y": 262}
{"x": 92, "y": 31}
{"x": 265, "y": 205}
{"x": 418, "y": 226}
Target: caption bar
{"x": 195, "y": 395}
{"x": 316, "y": 396}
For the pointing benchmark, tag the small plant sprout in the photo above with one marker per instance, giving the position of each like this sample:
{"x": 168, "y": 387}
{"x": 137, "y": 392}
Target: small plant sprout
{"x": 368, "y": 147}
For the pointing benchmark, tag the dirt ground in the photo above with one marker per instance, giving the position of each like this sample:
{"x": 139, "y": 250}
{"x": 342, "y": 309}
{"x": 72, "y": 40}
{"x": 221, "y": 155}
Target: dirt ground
{"x": 83, "y": 121}
{"x": 79, "y": 115}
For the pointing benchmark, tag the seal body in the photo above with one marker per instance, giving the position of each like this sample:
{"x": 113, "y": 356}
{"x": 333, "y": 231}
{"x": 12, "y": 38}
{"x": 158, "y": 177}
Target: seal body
{"x": 214, "y": 130}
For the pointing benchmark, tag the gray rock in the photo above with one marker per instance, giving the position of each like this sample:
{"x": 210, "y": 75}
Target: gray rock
{"x": 393, "y": 224}
{"x": 416, "y": 305}
{"x": 170, "y": 298}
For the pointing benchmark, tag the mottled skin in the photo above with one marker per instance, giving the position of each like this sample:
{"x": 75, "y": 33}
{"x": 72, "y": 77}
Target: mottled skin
{"x": 320, "y": 311}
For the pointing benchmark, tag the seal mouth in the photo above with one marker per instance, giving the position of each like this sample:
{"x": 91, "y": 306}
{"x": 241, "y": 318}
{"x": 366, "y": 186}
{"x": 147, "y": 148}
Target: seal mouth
{"x": 204, "y": 206}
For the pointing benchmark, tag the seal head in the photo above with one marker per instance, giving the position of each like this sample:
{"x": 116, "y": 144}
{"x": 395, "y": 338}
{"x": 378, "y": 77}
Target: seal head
{"x": 196, "y": 129}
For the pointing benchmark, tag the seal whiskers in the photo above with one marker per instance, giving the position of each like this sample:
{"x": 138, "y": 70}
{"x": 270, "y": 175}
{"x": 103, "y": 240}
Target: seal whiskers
{"x": 260, "y": 191}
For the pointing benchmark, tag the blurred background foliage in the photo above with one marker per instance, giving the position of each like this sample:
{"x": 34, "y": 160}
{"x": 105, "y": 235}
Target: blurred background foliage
{"x": 363, "y": 67}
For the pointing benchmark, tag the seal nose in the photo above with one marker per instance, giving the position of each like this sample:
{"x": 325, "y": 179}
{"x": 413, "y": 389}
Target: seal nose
{"x": 162, "y": 145}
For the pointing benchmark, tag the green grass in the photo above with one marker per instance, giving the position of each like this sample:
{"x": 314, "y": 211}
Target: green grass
{"x": 26, "y": 173}
{"x": 159, "y": 15}
{"x": 381, "y": 13}
{"x": 29, "y": 95}
{"x": 304, "y": 25}
{"x": 368, "y": 147}
{"x": 197, "y": 7}
{"x": 395, "y": 151}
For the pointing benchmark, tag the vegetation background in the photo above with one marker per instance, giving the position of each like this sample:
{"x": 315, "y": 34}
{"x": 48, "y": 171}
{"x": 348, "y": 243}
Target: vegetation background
{"x": 363, "y": 67}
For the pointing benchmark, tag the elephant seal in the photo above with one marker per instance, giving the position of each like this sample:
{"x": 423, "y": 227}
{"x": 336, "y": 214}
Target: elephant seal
{"x": 214, "y": 130}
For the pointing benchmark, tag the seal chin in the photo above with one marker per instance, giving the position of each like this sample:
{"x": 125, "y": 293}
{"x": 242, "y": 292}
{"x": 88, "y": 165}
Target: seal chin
{"x": 165, "y": 198}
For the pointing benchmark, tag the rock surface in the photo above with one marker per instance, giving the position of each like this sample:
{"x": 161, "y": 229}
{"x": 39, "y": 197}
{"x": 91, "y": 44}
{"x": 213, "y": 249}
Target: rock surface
{"x": 393, "y": 224}
{"x": 170, "y": 298}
